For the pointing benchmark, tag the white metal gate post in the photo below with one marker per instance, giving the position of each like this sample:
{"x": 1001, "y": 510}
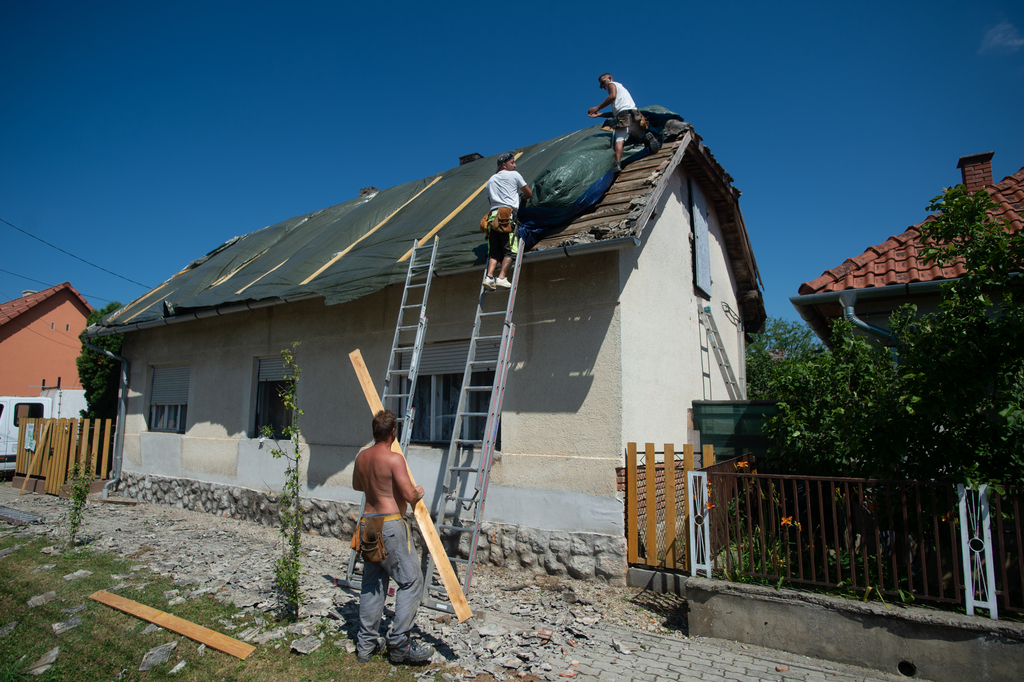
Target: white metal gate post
{"x": 700, "y": 536}
{"x": 976, "y": 550}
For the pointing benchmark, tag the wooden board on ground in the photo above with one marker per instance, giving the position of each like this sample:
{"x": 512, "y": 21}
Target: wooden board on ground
{"x": 441, "y": 561}
{"x": 200, "y": 634}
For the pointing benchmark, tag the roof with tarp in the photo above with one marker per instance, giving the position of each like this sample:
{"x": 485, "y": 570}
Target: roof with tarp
{"x": 347, "y": 251}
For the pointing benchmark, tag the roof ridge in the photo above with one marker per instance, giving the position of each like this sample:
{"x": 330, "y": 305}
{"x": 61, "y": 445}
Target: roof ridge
{"x": 16, "y": 306}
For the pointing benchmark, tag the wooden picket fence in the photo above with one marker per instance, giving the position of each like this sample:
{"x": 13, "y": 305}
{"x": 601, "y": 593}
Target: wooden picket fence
{"x": 657, "y": 525}
{"x": 59, "y": 443}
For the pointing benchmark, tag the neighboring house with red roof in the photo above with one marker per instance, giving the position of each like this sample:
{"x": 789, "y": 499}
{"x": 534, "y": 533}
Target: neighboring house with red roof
{"x": 869, "y": 288}
{"x": 39, "y": 339}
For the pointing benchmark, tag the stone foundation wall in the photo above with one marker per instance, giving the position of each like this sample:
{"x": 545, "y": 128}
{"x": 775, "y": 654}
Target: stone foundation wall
{"x": 584, "y": 556}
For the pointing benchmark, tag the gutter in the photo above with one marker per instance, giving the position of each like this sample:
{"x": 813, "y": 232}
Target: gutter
{"x": 805, "y": 305}
{"x": 531, "y": 257}
{"x": 122, "y": 409}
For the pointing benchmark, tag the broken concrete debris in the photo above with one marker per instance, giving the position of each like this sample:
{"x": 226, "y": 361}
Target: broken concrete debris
{"x": 44, "y": 598}
{"x": 45, "y": 662}
{"x": 65, "y": 625}
{"x": 77, "y": 574}
{"x": 157, "y": 655}
{"x": 306, "y": 645}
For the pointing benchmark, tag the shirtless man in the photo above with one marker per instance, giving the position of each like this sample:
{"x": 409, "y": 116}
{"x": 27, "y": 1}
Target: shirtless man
{"x": 382, "y": 475}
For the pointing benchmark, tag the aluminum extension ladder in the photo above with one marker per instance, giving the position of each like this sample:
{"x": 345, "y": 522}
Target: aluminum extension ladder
{"x": 399, "y": 384}
{"x": 715, "y": 339}
{"x": 458, "y": 511}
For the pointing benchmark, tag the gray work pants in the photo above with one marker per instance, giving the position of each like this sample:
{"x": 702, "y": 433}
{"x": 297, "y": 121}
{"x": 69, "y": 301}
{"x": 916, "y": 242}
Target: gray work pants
{"x": 402, "y": 566}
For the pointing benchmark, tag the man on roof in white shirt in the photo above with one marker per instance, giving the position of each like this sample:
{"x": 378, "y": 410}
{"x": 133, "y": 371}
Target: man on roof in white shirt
{"x": 626, "y": 116}
{"x": 501, "y": 223}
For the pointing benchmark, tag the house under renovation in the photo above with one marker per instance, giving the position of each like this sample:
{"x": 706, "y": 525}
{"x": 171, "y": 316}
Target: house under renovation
{"x": 623, "y": 276}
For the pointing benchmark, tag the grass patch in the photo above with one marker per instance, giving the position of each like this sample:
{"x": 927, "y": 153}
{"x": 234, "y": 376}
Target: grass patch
{"x": 109, "y": 641}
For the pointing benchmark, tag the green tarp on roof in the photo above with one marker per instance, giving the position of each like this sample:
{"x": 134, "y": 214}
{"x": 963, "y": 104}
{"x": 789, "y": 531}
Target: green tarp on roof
{"x": 374, "y": 233}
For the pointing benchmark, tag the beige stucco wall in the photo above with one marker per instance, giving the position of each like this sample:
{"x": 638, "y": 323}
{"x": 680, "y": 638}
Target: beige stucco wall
{"x": 606, "y": 351}
{"x": 661, "y": 334}
{"x": 559, "y": 439}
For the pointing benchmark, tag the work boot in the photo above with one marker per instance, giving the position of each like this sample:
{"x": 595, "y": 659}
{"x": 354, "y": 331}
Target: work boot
{"x": 489, "y": 283}
{"x": 502, "y": 283}
{"x": 617, "y": 168}
{"x": 653, "y": 146}
{"x": 378, "y": 647}
{"x": 413, "y": 653}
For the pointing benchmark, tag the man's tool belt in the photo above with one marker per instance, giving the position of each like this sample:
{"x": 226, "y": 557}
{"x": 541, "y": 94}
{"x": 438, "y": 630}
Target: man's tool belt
{"x": 499, "y": 220}
{"x": 368, "y": 539}
{"x": 624, "y": 118}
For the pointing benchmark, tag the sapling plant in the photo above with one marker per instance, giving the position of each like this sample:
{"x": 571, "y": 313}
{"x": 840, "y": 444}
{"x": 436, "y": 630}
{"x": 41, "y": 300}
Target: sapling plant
{"x": 80, "y": 479}
{"x": 288, "y": 568}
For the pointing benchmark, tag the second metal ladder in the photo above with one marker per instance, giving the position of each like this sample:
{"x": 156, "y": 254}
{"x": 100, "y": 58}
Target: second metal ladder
{"x": 459, "y": 508}
{"x": 400, "y": 384}
{"x": 715, "y": 339}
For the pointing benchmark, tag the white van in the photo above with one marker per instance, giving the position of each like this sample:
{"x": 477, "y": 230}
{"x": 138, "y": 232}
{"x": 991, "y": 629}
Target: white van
{"x": 12, "y": 410}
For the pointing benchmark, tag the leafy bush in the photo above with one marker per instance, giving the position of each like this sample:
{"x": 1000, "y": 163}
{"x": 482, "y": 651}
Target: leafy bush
{"x": 946, "y": 401}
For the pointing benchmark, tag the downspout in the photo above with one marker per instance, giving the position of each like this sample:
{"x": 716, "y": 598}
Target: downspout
{"x": 122, "y": 409}
{"x": 848, "y": 299}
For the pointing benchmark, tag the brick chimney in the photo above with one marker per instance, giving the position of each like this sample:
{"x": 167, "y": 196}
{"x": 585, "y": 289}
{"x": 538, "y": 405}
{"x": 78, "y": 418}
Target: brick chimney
{"x": 976, "y": 170}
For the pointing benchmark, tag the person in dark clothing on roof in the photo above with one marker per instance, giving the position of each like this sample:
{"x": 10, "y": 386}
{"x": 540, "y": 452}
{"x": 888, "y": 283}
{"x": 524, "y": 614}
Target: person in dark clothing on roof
{"x": 627, "y": 118}
{"x": 503, "y": 190}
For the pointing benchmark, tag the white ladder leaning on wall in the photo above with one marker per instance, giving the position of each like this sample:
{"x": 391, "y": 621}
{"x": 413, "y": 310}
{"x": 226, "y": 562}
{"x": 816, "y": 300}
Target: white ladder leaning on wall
{"x": 458, "y": 511}
{"x": 715, "y": 340}
{"x": 399, "y": 384}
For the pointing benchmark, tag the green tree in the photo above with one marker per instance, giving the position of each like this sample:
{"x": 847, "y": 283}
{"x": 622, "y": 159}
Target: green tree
{"x": 782, "y": 343}
{"x": 946, "y": 402}
{"x": 99, "y": 374}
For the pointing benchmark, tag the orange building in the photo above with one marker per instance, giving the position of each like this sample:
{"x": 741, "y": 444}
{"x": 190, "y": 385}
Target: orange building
{"x": 39, "y": 339}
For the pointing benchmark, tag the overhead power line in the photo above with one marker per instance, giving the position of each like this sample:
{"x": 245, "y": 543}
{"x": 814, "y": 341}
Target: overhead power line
{"x": 144, "y": 286}
{"x": 14, "y": 274}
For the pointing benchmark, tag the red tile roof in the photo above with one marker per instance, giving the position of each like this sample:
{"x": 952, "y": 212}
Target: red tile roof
{"x": 15, "y": 307}
{"x": 896, "y": 260}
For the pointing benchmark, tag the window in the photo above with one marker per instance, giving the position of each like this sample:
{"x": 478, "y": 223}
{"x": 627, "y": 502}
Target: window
{"x": 270, "y": 407}
{"x": 51, "y": 326}
{"x": 436, "y": 397}
{"x": 168, "y": 402}
{"x": 67, "y": 327}
{"x": 28, "y": 411}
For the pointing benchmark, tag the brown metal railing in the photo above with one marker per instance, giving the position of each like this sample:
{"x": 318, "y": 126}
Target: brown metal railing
{"x": 897, "y": 538}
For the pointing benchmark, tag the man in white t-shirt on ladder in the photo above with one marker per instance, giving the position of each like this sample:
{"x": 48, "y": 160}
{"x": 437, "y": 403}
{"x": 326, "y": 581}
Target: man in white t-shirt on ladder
{"x": 500, "y": 223}
{"x": 626, "y": 118}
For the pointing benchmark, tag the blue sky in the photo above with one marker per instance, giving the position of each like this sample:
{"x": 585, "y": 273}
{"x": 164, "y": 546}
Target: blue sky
{"x": 139, "y": 136}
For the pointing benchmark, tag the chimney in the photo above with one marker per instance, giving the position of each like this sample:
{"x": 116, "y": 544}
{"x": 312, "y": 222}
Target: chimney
{"x": 469, "y": 158}
{"x": 368, "y": 191}
{"x": 976, "y": 170}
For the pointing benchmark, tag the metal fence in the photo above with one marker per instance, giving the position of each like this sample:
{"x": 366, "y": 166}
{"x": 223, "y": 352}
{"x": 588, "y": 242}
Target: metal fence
{"x": 899, "y": 539}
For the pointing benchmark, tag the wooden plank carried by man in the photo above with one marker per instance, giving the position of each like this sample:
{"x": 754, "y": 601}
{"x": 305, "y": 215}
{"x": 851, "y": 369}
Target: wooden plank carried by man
{"x": 423, "y": 520}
